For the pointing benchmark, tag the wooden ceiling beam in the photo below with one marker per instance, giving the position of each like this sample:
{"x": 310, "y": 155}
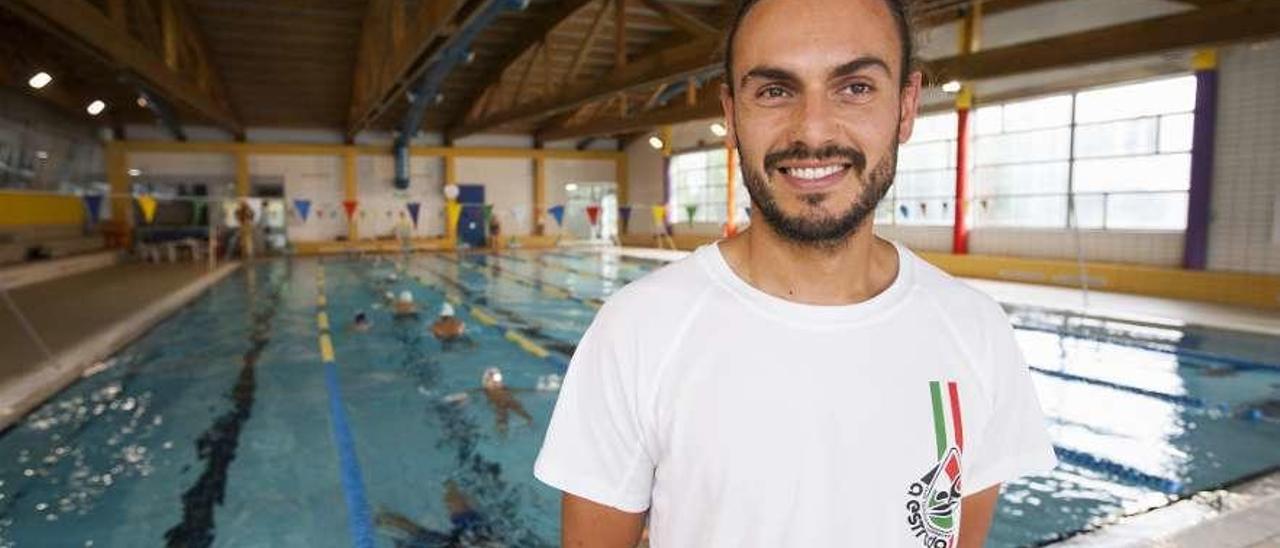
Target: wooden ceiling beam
{"x": 588, "y": 42}
{"x": 373, "y": 91}
{"x": 1220, "y": 24}
{"x": 1214, "y": 25}
{"x": 678, "y": 62}
{"x": 533, "y": 34}
{"x": 682, "y": 20}
{"x": 80, "y": 22}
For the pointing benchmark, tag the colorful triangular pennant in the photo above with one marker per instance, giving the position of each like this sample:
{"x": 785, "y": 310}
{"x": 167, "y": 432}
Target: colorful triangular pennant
{"x": 303, "y": 207}
{"x": 148, "y": 206}
{"x": 414, "y": 208}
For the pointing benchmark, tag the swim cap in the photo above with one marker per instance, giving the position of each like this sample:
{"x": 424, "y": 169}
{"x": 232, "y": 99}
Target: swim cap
{"x": 446, "y": 309}
{"x": 406, "y": 297}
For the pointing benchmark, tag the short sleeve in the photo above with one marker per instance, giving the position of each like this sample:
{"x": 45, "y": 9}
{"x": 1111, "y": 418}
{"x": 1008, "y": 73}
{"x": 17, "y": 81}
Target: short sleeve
{"x": 594, "y": 444}
{"x": 1015, "y": 441}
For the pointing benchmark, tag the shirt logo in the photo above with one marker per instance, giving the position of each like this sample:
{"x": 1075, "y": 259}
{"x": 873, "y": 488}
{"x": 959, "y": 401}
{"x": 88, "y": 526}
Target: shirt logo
{"x": 933, "y": 501}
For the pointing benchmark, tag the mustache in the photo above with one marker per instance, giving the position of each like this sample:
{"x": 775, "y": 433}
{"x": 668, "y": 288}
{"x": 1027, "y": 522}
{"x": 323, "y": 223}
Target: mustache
{"x": 801, "y": 151}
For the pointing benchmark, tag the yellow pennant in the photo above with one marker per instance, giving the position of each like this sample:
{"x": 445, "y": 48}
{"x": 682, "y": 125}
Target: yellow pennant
{"x": 453, "y": 211}
{"x": 659, "y": 215}
{"x": 148, "y": 206}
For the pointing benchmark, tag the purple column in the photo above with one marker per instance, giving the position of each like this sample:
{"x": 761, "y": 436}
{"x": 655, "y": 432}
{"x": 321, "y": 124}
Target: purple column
{"x": 1195, "y": 251}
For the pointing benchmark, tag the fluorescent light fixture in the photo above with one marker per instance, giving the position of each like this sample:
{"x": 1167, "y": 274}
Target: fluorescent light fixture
{"x": 951, "y": 87}
{"x": 40, "y": 80}
{"x": 718, "y": 129}
{"x": 96, "y": 107}
{"x": 656, "y": 142}
{"x": 571, "y": 187}
{"x": 134, "y": 172}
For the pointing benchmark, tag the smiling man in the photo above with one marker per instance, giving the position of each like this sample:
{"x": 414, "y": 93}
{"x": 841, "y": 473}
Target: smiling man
{"x": 804, "y": 383}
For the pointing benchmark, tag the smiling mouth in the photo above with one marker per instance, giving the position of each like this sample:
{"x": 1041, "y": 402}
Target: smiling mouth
{"x": 813, "y": 176}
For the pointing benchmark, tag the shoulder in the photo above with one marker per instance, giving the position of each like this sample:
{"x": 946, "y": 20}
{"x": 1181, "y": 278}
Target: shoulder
{"x": 953, "y": 297}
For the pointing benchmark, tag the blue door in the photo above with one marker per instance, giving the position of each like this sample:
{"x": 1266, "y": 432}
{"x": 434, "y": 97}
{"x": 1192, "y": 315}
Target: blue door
{"x": 471, "y": 228}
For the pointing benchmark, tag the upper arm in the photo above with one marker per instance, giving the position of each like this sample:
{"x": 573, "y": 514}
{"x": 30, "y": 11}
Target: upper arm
{"x": 590, "y": 525}
{"x": 976, "y": 511}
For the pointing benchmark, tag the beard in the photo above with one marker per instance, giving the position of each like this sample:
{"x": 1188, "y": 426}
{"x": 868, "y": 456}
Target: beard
{"x": 816, "y": 230}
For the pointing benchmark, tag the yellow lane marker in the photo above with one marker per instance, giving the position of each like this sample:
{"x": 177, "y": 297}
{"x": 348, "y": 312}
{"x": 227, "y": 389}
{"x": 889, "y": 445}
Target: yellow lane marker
{"x": 483, "y": 317}
{"x": 528, "y": 345}
{"x": 322, "y": 320}
{"x": 326, "y": 348}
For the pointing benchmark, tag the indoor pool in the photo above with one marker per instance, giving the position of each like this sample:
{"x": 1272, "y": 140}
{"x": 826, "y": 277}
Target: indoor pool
{"x": 256, "y": 416}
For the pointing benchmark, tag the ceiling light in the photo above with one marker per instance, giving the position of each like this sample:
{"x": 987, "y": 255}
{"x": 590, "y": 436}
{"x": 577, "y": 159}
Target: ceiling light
{"x": 142, "y": 101}
{"x": 96, "y": 107}
{"x": 42, "y": 155}
{"x": 656, "y": 142}
{"x": 718, "y": 129}
{"x": 134, "y": 172}
{"x": 951, "y": 87}
{"x": 41, "y": 79}
{"x": 571, "y": 187}
{"x": 470, "y": 57}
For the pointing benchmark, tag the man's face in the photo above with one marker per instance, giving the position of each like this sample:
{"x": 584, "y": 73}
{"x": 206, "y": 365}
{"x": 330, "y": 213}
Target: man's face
{"x": 817, "y": 112}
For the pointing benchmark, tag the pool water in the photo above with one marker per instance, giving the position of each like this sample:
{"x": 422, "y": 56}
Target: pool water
{"x": 216, "y": 427}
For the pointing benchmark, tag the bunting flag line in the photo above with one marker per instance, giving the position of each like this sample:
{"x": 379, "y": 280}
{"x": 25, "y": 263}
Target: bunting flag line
{"x": 414, "y": 208}
{"x": 93, "y": 203}
{"x": 488, "y": 213}
{"x": 624, "y": 215}
{"x": 557, "y": 213}
{"x": 148, "y": 206}
{"x": 593, "y": 214}
{"x": 350, "y": 206}
{"x": 691, "y": 210}
{"x": 453, "y": 213}
{"x": 659, "y": 218}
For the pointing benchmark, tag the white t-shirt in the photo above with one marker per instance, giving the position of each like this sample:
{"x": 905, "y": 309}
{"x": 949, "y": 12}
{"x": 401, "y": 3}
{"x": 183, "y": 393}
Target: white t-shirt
{"x": 742, "y": 419}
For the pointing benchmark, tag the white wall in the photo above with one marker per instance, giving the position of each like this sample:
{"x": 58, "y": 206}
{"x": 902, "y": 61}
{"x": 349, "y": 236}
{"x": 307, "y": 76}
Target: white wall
{"x": 1244, "y": 228}
{"x": 645, "y": 177}
{"x": 508, "y": 185}
{"x": 315, "y": 178}
{"x": 382, "y": 203}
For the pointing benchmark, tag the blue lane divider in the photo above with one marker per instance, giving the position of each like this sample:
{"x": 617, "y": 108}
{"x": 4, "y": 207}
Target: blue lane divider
{"x": 1125, "y": 473}
{"x": 358, "y": 515}
{"x": 1188, "y": 401}
{"x": 1240, "y": 364}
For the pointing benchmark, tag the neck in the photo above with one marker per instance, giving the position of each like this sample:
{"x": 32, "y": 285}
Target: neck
{"x": 850, "y": 272}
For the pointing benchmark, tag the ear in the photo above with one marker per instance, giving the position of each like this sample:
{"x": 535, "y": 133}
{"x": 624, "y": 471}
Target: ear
{"x": 910, "y": 105}
{"x": 726, "y": 104}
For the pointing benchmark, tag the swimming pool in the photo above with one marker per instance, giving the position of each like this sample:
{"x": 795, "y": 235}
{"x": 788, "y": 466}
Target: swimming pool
{"x": 218, "y": 427}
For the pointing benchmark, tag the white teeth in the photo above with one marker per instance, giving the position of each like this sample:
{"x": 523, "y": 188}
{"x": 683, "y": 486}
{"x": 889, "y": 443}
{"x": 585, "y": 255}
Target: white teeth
{"x": 814, "y": 172}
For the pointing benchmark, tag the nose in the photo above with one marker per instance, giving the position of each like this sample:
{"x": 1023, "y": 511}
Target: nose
{"x": 814, "y": 122}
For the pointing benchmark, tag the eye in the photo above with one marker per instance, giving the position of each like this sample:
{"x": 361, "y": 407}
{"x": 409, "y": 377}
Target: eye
{"x": 860, "y": 88}
{"x": 772, "y": 92}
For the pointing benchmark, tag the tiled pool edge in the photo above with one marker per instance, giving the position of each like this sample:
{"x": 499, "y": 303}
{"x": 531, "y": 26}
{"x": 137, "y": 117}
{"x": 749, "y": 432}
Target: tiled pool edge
{"x": 55, "y": 373}
{"x": 1242, "y": 516}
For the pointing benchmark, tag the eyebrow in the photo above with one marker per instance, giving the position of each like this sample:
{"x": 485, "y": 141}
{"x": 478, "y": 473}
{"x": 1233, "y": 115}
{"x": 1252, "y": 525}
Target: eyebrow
{"x": 856, "y": 65}
{"x": 846, "y": 69}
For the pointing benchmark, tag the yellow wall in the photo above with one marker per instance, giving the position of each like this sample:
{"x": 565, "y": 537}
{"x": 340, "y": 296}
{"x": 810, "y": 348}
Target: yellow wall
{"x": 22, "y": 208}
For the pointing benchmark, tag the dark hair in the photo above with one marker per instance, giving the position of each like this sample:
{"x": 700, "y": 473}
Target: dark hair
{"x": 901, "y": 10}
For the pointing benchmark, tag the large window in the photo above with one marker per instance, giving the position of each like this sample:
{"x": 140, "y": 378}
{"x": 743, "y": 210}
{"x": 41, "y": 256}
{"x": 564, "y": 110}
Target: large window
{"x": 1122, "y": 152}
{"x": 698, "y": 178}
{"x": 924, "y": 190}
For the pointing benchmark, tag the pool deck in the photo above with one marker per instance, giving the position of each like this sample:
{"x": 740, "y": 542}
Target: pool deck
{"x": 1097, "y": 303}
{"x": 82, "y": 318}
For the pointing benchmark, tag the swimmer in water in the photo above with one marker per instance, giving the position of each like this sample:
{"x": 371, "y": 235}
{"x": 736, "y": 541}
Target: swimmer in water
{"x": 404, "y": 307}
{"x": 501, "y": 400}
{"x": 361, "y": 322}
{"x": 447, "y": 327}
{"x": 469, "y": 528}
